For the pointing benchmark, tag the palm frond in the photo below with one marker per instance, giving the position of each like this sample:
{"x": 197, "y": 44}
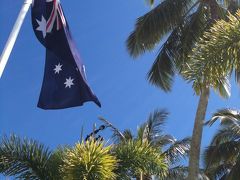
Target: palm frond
{"x": 178, "y": 151}
{"x": 181, "y": 173}
{"x": 89, "y": 160}
{"x": 219, "y": 172}
{"x": 225, "y": 116}
{"x": 174, "y": 52}
{"x": 163, "y": 140}
{"x": 127, "y": 133}
{"x": 234, "y": 172}
{"x": 139, "y": 157}
{"x": 216, "y": 56}
{"x": 117, "y": 134}
{"x": 26, "y": 159}
{"x": 55, "y": 162}
{"x": 156, "y": 122}
{"x": 224, "y": 152}
{"x": 226, "y": 134}
{"x": 178, "y": 172}
{"x": 151, "y": 27}
{"x": 151, "y": 130}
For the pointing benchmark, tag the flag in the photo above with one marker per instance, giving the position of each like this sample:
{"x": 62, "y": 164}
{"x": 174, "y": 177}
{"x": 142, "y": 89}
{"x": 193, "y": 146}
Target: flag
{"x": 64, "y": 83}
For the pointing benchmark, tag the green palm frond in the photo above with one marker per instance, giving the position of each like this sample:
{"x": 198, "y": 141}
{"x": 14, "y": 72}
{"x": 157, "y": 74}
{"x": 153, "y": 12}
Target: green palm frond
{"x": 117, "y": 134}
{"x": 151, "y": 130}
{"x": 127, "y": 133}
{"x": 174, "y": 52}
{"x": 226, "y": 134}
{"x": 163, "y": 140}
{"x": 24, "y": 159}
{"x": 181, "y": 173}
{"x": 156, "y": 122}
{"x": 89, "y": 160}
{"x": 178, "y": 151}
{"x": 216, "y": 56}
{"x": 55, "y": 162}
{"x": 221, "y": 158}
{"x": 225, "y": 116}
{"x": 139, "y": 157}
{"x": 178, "y": 172}
{"x": 235, "y": 173}
{"x": 151, "y": 27}
{"x": 219, "y": 172}
{"x": 225, "y": 152}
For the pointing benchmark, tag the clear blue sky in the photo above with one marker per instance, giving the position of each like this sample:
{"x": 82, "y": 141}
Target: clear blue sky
{"x": 100, "y": 29}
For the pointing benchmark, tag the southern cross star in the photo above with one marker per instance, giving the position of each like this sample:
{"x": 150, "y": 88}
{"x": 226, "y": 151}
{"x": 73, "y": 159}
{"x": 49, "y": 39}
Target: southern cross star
{"x": 42, "y": 26}
{"x": 69, "y": 82}
{"x": 58, "y": 68}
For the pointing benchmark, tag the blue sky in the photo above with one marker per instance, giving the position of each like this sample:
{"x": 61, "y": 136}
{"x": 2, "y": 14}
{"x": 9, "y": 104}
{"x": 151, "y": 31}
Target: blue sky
{"x": 100, "y": 29}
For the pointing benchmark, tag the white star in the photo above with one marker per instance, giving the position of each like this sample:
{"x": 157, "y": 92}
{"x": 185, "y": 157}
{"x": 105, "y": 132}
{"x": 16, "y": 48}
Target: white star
{"x": 58, "y": 68}
{"x": 69, "y": 82}
{"x": 42, "y": 26}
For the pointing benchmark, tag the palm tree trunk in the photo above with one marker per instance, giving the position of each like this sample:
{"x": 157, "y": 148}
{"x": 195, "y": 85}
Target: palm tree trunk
{"x": 197, "y": 135}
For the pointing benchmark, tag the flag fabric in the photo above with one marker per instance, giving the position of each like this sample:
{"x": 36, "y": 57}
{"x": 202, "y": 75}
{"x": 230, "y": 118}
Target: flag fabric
{"x": 64, "y": 83}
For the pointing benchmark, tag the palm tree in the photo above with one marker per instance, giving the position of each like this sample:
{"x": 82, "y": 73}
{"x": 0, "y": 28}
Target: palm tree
{"x": 222, "y": 157}
{"x": 182, "y": 22}
{"x": 213, "y": 60}
{"x": 139, "y": 159}
{"x": 151, "y": 132}
{"x": 28, "y": 159}
{"x": 89, "y": 160}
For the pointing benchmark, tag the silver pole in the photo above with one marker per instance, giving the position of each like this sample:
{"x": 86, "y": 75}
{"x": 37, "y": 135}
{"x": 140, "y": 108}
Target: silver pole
{"x": 13, "y": 36}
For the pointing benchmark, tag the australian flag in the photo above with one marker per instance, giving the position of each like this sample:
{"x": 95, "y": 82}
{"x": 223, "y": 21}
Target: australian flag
{"x": 64, "y": 83}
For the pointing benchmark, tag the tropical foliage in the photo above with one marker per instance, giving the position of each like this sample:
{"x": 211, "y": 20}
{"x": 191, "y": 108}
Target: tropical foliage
{"x": 180, "y": 23}
{"x": 216, "y": 56}
{"x": 222, "y": 157}
{"x": 151, "y": 133}
{"x": 27, "y": 159}
{"x": 138, "y": 158}
{"x": 89, "y": 160}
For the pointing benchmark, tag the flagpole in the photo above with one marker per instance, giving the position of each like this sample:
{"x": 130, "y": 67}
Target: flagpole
{"x": 13, "y": 35}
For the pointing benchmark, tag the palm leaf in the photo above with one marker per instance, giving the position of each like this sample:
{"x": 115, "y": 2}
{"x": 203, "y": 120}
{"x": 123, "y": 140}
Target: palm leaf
{"x": 235, "y": 173}
{"x": 219, "y": 172}
{"x": 225, "y": 152}
{"x": 225, "y": 116}
{"x": 178, "y": 172}
{"x": 151, "y": 130}
{"x": 127, "y": 134}
{"x": 89, "y": 160}
{"x": 226, "y": 134}
{"x": 163, "y": 140}
{"x": 25, "y": 159}
{"x": 216, "y": 56}
{"x": 177, "y": 151}
{"x": 174, "y": 52}
{"x": 139, "y": 157}
{"x": 117, "y": 135}
{"x": 151, "y": 27}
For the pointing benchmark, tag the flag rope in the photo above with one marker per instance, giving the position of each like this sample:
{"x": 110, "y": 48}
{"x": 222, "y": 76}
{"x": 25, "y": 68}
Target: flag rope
{"x": 13, "y": 35}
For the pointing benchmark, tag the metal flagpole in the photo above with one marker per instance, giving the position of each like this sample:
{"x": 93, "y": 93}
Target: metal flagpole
{"x": 13, "y": 36}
